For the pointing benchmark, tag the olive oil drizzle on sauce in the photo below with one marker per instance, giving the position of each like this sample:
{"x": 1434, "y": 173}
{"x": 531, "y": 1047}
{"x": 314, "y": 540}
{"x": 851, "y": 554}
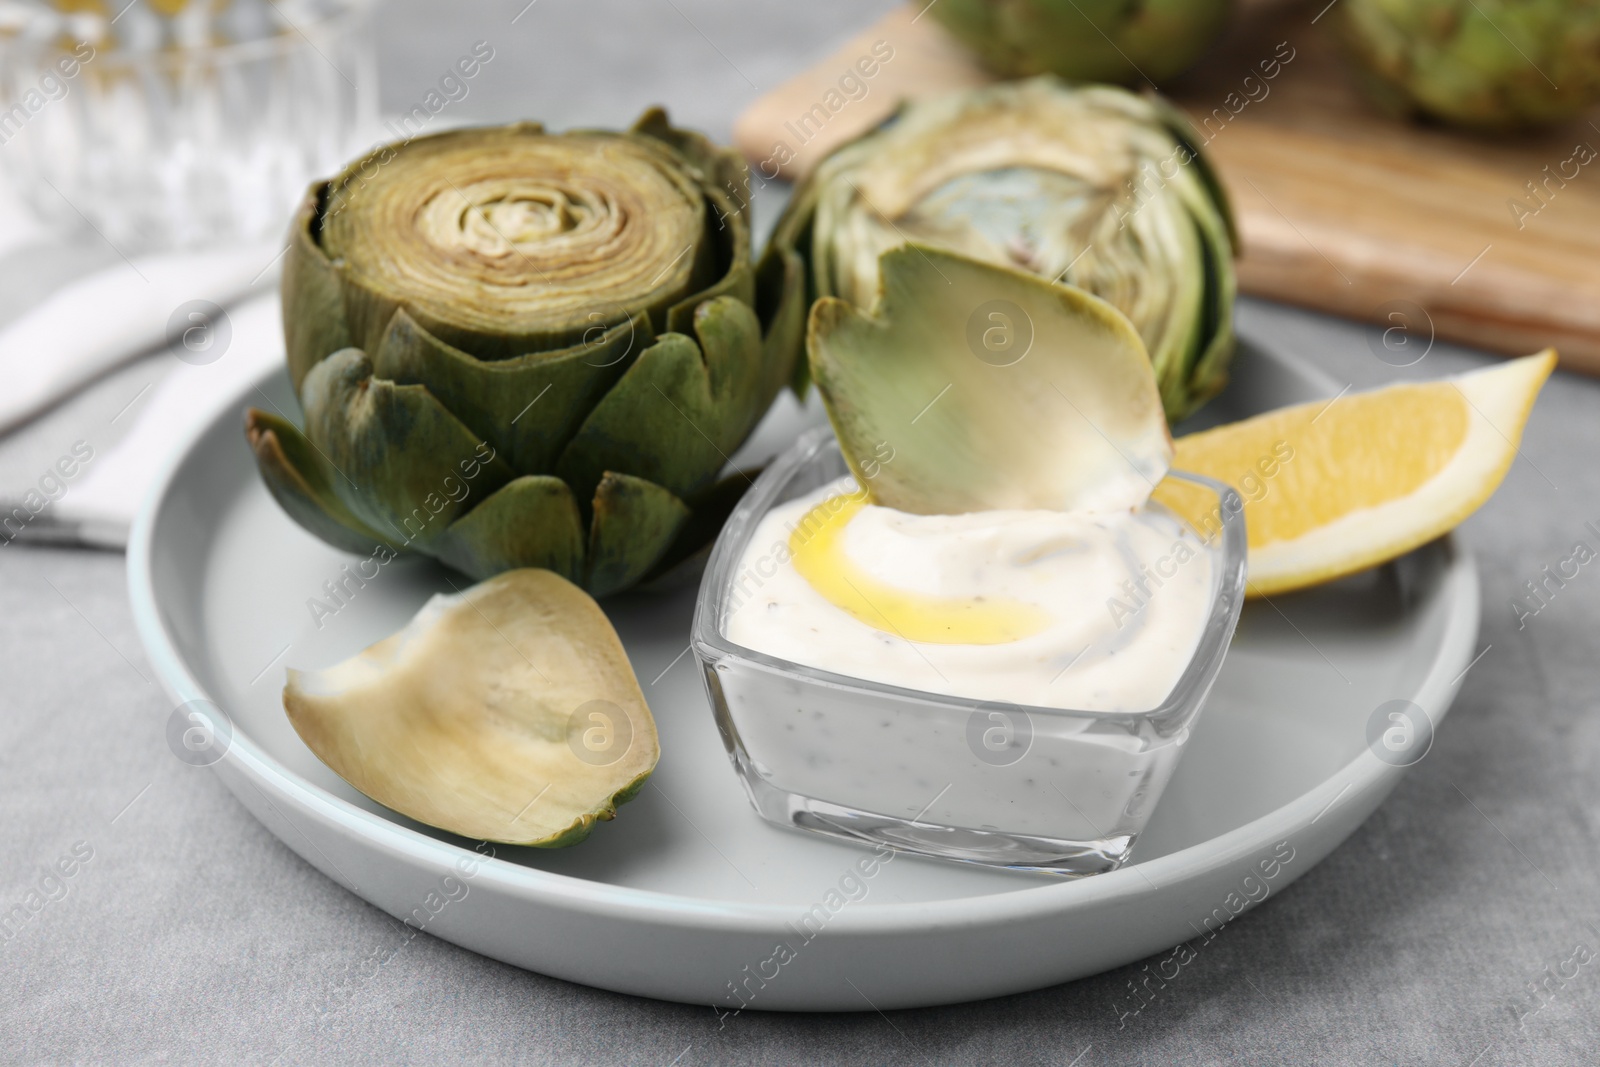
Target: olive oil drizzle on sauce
{"x": 817, "y": 548}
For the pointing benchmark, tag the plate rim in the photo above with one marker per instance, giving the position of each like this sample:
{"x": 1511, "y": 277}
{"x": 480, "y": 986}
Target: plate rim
{"x": 1365, "y": 773}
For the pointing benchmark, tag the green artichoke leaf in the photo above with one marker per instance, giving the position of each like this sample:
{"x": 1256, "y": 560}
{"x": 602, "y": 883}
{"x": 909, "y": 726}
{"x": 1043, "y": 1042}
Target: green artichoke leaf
{"x": 1208, "y": 374}
{"x": 974, "y": 387}
{"x": 679, "y": 411}
{"x": 1191, "y": 361}
{"x": 793, "y": 230}
{"x": 406, "y": 465}
{"x": 731, "y": 340}
{"x": 781, "y": 306}
{"x": 726, "y": 250}
{"x": 723, "y": 168}
{"x": 1174, "y": 340}
{"x": 300, "y": 481}
{"x": 531, "y": 521}
{"x": 736, "y": 280}
{"x": 782, "y": 298}
{"x": 635, "y": 523}
{"x": 529, "y": 407}
{"x": 723, "y": 258}
{"x": 314, "y": 323}
{"x": 1209, "y": 181}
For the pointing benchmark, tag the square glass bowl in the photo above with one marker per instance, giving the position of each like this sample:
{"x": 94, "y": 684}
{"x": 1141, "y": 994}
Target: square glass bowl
{"x": 1032, "y": 788}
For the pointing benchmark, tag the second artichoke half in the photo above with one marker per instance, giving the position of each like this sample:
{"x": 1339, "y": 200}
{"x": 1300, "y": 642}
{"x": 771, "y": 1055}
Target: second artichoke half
{"x": 523, "y": 349}
{"x": 1089, "y": 186}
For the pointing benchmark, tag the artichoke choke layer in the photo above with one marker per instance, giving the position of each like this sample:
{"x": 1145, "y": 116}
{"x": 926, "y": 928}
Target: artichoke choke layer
{"x": 523, "y": 349}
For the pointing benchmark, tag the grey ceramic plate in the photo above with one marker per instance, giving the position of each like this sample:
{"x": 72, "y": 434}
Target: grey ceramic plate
{"x": 689, "y": 895}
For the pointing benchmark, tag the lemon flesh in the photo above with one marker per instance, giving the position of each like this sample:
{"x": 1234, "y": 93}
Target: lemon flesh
{"x": 1332, "y": 488}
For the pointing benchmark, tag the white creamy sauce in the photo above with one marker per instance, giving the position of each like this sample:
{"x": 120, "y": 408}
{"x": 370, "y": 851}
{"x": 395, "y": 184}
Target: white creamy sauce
{"x": 1122, "y": 599}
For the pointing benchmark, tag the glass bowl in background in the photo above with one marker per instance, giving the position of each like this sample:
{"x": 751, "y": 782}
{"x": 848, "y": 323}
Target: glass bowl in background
{"x": 170, "y": 124}
{"x": 985, "y": 782}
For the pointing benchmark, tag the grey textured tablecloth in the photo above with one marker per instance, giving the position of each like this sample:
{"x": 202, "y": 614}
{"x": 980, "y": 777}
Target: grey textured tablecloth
{"x": 193, "y": 936}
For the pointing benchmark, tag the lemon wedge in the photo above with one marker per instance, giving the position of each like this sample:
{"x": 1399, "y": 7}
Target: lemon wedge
{"x": 1331, "y": 488}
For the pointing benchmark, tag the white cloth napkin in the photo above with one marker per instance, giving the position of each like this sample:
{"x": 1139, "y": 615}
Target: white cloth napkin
{"x": 99, "y": 505}
{"x": 92, "y": 325}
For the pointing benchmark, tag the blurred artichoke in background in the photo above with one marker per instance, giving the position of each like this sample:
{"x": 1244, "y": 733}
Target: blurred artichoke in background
{"x": 1086, "y": 40}
{"x": 1491, "y": 64}
{"x": 516, "y": 348}
{"x": 1094, "y": 187}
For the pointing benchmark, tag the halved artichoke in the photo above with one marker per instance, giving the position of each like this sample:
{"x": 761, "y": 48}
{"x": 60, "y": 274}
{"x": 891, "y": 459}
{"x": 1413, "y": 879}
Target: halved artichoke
{"x": 506, "y": 713}
{"x": 517, "y": 348}
{"x": 1093, "y": 187}
{"x": 1086, "y": 40}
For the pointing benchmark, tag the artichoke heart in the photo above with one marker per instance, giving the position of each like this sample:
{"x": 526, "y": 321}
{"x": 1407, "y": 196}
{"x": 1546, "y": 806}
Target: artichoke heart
{"x": 505, "y": 713}
{"x": 523, "y": 349}
{"x": 1090, "y": 187}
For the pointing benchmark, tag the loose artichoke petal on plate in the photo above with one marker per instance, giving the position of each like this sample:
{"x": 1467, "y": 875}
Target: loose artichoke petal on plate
{"x": 506, "y": 713}
{"x": 1087, "y": 186}
{"x": 528, "y": 407}
{"x": 702, "y": 391}
{"x": 635, "y": 523}
{"x": 407, "y": 465}
{"x": 990, "y": 388}
{"x": 301, "y": 482}
{"x": 531, "y": 521}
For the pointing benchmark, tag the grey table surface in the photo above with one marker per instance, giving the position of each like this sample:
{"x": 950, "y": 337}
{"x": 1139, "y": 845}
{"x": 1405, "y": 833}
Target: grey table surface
{"x": 193, "y": 936}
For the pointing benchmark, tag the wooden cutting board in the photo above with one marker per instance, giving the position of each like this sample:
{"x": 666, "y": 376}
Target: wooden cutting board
{"x": 1339, "y": 208}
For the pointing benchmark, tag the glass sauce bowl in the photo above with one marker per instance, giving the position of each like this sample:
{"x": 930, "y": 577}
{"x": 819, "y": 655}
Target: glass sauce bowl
{"x": 1035, "y": 788}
